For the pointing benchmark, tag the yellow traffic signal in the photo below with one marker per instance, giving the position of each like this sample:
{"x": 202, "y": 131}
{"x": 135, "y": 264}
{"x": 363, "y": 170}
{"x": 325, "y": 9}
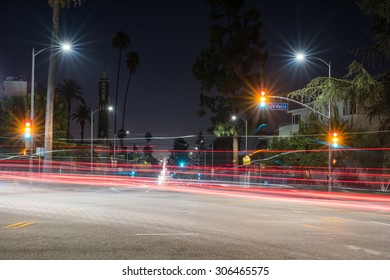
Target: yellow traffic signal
{"x": 263, "y": 99}
{"x": 335, "y": 140}
{"x": 27, "y": 129}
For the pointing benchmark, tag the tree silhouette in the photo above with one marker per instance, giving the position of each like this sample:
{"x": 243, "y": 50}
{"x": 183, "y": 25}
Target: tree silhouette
{"x": 82, "y": 115}
{"x": 121, "y": 41}
{"x": 232, "y": 65}
{"x": 132, "y": 63}
{"x": 69, "y": 90}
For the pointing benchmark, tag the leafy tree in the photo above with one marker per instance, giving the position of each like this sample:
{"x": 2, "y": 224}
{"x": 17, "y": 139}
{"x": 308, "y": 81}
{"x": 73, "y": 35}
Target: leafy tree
{"x": 302, "y": 148}
{"x": 369, "y": 92}
{"x": 231, "y": 67}
{"x": 69, "y": 90}
{"x": 121, "y": 41}
{"x": 13, "y": 110}
{"x": 378, "y": 14}
{"x": 179, "y": 154}
{"x": 148, "y": 153}
{"x": 377, "y": 55}
{"x": 200, "y": 142}
{"x": 61, "y": 120}
{"x": 82, "y": 115}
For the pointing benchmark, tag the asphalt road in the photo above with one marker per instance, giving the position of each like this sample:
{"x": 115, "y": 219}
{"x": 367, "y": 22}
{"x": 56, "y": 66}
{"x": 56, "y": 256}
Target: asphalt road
{"x": 146, "y": 222}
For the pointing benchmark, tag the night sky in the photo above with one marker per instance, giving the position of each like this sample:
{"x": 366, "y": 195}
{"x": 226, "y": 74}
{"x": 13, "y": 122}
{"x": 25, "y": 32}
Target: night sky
{"x": 168, "y": 37}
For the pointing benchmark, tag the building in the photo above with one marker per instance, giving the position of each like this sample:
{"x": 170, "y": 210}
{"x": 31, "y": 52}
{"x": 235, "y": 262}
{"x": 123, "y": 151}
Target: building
{"x": 347, "y": 112}
{"x": 104, "y": 102}
{"x": 14, "y": 86}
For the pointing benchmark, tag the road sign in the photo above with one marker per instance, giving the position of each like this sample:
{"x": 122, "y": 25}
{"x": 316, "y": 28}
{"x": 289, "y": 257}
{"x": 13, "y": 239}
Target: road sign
{"x": 246, "y": 160}
{"x": 277, "y": 106}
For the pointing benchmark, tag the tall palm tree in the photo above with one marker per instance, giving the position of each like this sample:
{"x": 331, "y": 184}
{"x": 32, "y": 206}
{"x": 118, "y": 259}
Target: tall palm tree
{"x": 82, "y": 115}
{"x": 121, "y": 41}
{"x": 69, "y": 91}
{"x": 132, "y": 63}
{"x": 56, "y": 5}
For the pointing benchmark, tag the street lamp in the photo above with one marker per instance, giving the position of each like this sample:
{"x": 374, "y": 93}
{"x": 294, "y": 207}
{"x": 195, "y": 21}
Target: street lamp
{"x": 234, "y": 117}
{"x": 302, "y": 57}
{"x": 65, "y": 47}
{"x": 109, "y": 108}
{"x": 124, "y": 133}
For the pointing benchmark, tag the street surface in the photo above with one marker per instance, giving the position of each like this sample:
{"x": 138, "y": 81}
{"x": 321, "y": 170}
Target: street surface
{"x": 63, "y": 221}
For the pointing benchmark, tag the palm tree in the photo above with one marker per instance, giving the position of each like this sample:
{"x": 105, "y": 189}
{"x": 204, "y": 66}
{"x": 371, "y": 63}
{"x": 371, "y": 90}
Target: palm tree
{"x": 121, "y": 41}
{"x": 56, "y": 5}
{"x": 132, "y": 63}
{"x": 82, "y": 115}
{"x": 69, "y": 90}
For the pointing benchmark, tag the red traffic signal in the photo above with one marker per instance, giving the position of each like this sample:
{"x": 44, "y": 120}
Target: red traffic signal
{"x": 335, "y": 140}
{"x": 27, "y": 129}
{"x": 263, "y": 99}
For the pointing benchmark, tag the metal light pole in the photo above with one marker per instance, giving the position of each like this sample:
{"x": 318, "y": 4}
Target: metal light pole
{"x": 212, "y": 160}
{"x": 110, "y": 108}
{"x": 301, "y": 57}
{"x": 65, "y": 47}
{"x": 246, "y": 131}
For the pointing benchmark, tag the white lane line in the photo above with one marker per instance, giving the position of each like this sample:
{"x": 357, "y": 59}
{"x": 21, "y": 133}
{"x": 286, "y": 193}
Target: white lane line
{"x": 167, "y": 234}
{"x": 379, "y": 223}
{"x": 367, "y": 251}
{"x": 373, "y": 222}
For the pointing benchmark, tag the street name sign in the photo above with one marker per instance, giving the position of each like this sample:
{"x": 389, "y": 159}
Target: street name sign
{"x": 277, "y": 106}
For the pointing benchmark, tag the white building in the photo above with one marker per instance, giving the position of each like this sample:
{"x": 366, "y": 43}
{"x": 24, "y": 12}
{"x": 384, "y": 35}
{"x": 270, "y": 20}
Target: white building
{"x": 347, "y": 112}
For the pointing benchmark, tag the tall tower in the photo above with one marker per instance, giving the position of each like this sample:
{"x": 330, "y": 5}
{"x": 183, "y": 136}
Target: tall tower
{"x": 104, "y": 102}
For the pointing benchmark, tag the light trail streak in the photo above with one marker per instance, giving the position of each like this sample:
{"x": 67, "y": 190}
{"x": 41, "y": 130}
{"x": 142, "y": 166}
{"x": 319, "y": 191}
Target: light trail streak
{"x": 360, "y": 201}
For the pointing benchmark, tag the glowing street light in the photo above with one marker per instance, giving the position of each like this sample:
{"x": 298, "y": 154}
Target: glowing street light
{"x": 65, "y": 47}
{"x": 234, "y": 117}
{"x": 302, "y": 57}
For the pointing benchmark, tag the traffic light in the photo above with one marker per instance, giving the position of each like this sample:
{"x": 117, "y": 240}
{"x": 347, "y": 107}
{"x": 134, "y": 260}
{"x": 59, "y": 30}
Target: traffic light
{"x": 27, "y": 129}
{"x": 263, "y": 99}
{"x": 335, "y": 140}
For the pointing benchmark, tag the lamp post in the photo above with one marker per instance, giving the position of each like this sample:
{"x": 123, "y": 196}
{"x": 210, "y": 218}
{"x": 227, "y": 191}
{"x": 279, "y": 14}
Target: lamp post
{"x": 109, "y": 108}
{"x": 246, "y": 131}
{"x": 65, "y": 47}
{"x": 301, "y": 57}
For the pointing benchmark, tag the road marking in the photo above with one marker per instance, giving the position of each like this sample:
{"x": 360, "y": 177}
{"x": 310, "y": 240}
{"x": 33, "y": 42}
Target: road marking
{"x": 20, "y": 225}
{"x": 167, "y": 234}
{"x": 379, "y": 223}
{"x": 75, "y": 209}
{"x": 374, "y": 222}
{"x": 367, "y": 251}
